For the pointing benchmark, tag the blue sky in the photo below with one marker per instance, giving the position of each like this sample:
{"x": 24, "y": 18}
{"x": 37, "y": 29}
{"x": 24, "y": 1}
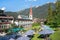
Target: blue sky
{"x": 16, "y": 5}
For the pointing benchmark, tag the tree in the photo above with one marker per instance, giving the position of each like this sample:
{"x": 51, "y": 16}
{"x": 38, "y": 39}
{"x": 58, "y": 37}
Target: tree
{"x": 58, "y": 12}
{"x": 49, "y": 17}
{"x": 53, "y": 18}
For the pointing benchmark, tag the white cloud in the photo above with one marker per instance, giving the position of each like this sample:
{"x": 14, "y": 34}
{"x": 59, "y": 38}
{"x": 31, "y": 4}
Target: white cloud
{"x": 48, "y": 2}
{"x": 37, "y": 6}
{"x": 54, "y": 2}
{"x": 3, "y": 8}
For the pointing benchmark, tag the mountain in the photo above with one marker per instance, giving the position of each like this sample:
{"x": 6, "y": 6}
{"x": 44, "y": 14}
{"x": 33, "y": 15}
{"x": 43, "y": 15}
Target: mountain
{"x": 14, "y": 14}
{"x": 38, "y": 11}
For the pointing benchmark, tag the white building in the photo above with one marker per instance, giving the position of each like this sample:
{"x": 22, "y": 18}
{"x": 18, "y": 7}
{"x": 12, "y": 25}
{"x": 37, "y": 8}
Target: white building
{"x": 25, "y": 21}
{"x": 5, "y": 20}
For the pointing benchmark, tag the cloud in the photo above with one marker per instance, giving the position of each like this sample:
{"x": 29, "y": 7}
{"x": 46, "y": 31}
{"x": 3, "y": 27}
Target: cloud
{"x": 3, "y": 8}
{"x": 55, "y": 1}
{"x": 48, "y": 2}
{"x": 37, "y": 6}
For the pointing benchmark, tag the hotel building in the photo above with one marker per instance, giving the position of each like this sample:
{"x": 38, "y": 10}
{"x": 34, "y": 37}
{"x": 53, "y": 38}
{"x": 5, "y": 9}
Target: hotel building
{"x": 5, "y": 20}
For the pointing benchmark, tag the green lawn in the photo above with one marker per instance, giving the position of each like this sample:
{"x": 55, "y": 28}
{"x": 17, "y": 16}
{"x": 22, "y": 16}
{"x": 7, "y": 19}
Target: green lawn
{"x": 56, "y": 35}
{"x": 36, "y": 37}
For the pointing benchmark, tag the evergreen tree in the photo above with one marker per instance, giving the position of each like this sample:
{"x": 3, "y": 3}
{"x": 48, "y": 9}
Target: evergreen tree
{"x": 58, "y": 11}
{"x": 54, "y": 16}
{"x": 49, "y": 17}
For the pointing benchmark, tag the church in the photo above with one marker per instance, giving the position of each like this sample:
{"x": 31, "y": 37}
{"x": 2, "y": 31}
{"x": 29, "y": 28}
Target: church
{"x": 25, "y": 21}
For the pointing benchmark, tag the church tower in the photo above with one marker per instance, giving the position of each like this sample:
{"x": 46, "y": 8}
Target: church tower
{"x": 30, "y": 14}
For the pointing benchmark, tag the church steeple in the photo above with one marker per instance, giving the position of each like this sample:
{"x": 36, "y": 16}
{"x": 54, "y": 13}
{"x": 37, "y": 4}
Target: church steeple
{"x": 30, "y": 13}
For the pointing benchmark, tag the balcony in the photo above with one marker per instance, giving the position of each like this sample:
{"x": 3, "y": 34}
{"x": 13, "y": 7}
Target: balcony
{"x": 5, "y": 22}
{"x": 5, "y": 26}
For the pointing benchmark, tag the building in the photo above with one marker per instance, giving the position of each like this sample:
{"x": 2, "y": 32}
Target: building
{"x": 5, "y": 20}
{"x": 30, "y": 14}
{"x": 25, "y": 21}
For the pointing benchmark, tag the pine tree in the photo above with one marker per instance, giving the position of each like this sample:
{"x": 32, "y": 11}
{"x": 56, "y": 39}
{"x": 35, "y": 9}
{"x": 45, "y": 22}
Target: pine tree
{"x": 54, "y": 15}
{"x": 58, "y": 12}
{"x": 49, "y": 18}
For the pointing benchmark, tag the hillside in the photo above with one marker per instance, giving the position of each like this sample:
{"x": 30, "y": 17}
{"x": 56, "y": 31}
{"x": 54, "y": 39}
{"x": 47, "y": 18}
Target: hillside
{"x": 14, "y": 14}
{"x": 38, "y": 12}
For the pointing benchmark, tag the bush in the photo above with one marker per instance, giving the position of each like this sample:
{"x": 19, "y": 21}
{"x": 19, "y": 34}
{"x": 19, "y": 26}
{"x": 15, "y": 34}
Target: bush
{"x": 36, "y": 37}
{"x": 55, "y": 36}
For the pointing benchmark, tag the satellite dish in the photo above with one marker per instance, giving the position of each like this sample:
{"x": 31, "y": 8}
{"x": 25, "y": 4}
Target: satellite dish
{"x": 3, "y": 8}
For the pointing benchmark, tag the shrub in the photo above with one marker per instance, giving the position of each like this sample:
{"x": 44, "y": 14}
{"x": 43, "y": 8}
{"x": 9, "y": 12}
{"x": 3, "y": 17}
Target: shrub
{"x": 55, "y": 36}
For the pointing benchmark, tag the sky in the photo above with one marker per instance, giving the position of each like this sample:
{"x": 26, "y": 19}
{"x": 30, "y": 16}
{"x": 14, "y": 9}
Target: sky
{"x": 16, "y": 5}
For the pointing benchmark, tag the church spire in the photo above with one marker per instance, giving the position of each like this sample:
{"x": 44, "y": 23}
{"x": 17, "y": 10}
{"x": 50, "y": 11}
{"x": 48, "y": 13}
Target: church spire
{"x": 30, "y": 13}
